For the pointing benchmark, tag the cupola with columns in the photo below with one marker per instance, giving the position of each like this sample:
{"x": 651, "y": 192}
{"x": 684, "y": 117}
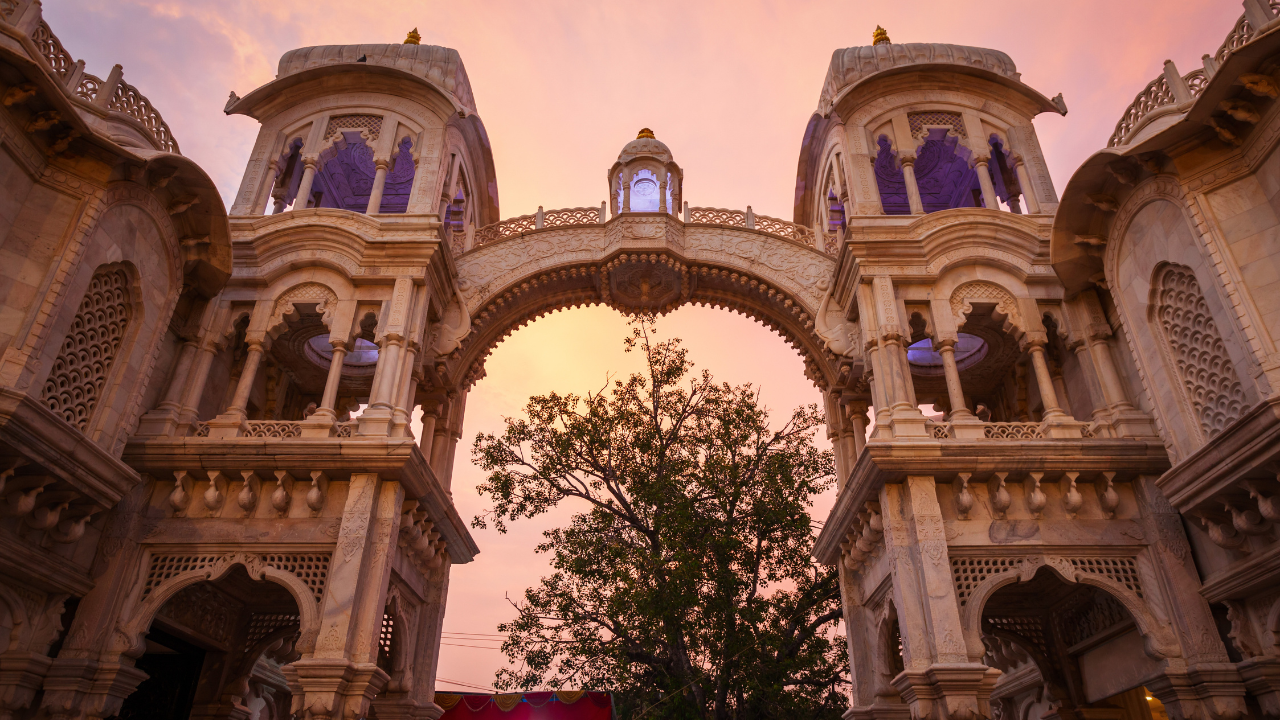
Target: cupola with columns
{"x": 645, "y": 178}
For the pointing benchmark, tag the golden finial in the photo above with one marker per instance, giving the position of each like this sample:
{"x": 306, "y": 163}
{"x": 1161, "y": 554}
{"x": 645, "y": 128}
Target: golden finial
{"x": 880, "y": 36}
{"x": 646, "y": 133}
{"x": 414, "y": 38}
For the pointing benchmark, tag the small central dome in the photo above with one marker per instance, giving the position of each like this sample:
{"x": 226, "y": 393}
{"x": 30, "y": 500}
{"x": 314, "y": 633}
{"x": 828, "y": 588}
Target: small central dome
{"x": 645, "y": 145}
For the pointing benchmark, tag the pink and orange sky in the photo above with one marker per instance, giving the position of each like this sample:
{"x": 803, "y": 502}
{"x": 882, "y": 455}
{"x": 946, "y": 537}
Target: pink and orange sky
{"x": 561, "y": 85}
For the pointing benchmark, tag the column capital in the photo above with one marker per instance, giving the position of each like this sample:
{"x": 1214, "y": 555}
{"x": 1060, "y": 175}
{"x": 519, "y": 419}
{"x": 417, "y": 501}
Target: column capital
{"x": 381, "y": 163}
{"x": 310, "y": 162}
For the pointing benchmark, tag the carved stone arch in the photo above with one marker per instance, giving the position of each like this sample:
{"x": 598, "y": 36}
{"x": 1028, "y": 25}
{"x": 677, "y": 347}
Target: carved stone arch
{"x": 132, "y": 628}
{"x": 985, "y": 291}
{"x": 886, "y": 668}
{"x": 325, "y": 299}
{"x": 1159, "y": 642}
{"x": 508, "y": 311}
{"x": 127, "y": 193}
{"x": 1159, "y": 187}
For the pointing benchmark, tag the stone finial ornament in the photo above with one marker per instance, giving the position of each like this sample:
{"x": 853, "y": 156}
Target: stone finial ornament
{"x": 880, "y": 36}
{"x": 413, "y": 38}
{"x": 645, "y": 133}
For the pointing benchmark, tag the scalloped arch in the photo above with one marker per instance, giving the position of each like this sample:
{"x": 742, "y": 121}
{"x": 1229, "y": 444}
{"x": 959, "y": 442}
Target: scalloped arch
{"x": 1160, "y": 643}
{"x": 131, "y": 630}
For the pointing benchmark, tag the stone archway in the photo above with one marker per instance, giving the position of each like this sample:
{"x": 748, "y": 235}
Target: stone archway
{"x": 644, "y": 263}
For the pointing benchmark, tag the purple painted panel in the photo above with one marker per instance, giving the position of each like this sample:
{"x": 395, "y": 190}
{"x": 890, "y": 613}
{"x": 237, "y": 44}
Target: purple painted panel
{"x": 345, "y": 179}
{"x": 943, "y": 174}
{"x": 395, "y": 194}
{"x": 893, "y": 187}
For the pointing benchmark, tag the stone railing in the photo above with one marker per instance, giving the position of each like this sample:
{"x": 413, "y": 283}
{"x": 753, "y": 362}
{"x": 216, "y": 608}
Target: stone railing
{"x": 51, "y": 49}
{"x": 280, "y": 429}
{"x": 571, "y": 217}
{"x": 124, "y": 98}
{"x": 1013, "y": 431}
{"x": 347, "y": 429}
{"x": 273, "y": 429}
{"x": 751, "y": 221}
{"x": 1158, "y": 94}
{"x": 1004, "y": 430}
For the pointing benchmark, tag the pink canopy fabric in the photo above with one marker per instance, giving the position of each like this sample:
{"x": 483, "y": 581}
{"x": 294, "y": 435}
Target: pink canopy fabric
{"x": 561, "y": 705}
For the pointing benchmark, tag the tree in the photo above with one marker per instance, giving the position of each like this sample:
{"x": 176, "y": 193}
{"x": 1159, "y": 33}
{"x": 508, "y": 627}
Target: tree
{"x": 686, "y": 585}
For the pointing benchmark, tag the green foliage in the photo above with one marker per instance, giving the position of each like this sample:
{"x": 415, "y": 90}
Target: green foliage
{"x": 686, "y": 585}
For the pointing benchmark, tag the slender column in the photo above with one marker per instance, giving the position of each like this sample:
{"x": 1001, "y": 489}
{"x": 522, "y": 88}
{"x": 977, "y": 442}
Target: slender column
{"x": 891, "y": 345}
{"x": 1028, "y": 192}
{"x": 308, "y": 177}
{"x": 947, "y": 348}
{"x": 662, "y": 195}
{"x": 379, "y": 182}
{"x": 1108, "y": 378}
{"x": 1044, "y": 382}
{"x": 858, "y": 419}
{"x": 330, "y": 396}
{"x": 1096, "y": 395}
{"x": 626, "y": 197}
{"x": 402, "y": 399}
{"x": 181, "y": 370}
{"x": 913, "y": 190}
{"x": 264, "y": 193}
{"x": 429, "y": 417}
{"x": 194, "y": 390}
{"x": 984, "y": 179}
{"x": 1060, "y": 388}
{"x": 240, "y": 400}
{"x": 391, "y": 356}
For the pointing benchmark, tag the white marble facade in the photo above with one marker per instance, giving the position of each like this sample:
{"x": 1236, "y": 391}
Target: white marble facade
{"x": 190, "y": 517}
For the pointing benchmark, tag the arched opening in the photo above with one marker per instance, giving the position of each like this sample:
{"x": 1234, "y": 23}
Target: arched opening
{"x": 1066, "y": 647}
{"x": 298, "y": 365}
{"x": 217, "y": 648}
{"x": 577, "y": 350}
{"x": 288, "y": 177}
{"x": 345, "y": 176}
{"x": 1002, "y": 176}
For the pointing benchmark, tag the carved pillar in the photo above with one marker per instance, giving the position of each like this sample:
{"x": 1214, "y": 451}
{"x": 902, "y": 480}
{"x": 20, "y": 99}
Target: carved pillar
{"x": 938, "y": 670}
{"x": 330, "y": 396}
{"x": 1024, "y": 182}
{"x": 862, "y": 180}
{"x": 989, "y": 199}
{"x": 1202, "y": 682}
{"x": 342, "y": 677}
{"x": 1044, "y": 382}
{"x": 379, "y": 183}
{"x": 947, "y": 348}
{"x": 913, "y": 190}
{"x": 240, "y": 401}
{"x": 308, "y": 177}
{"x": 857, "y": 411}
{"x": 906, "y": 416}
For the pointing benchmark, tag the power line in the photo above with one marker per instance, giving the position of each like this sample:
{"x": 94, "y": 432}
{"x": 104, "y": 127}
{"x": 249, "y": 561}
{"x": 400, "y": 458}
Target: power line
{"x": 478, "y": 647}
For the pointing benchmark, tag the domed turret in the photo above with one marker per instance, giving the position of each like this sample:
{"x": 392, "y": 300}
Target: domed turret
{"x": 645, "y": 178}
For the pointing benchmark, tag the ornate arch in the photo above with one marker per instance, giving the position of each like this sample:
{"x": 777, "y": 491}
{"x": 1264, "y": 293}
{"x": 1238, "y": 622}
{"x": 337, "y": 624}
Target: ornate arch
{"x": 984, "y": 291}
{"x": 133, "y": 627}
{"x": 310, "y": 291}
{"x": 506, "y": 284}
{"x": 578, "y": 286}
{"x": 977, "y": 579}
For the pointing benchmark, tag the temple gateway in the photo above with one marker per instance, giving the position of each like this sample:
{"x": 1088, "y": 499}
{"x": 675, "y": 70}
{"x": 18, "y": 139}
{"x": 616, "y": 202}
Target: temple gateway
{"x": 210, "y": 469}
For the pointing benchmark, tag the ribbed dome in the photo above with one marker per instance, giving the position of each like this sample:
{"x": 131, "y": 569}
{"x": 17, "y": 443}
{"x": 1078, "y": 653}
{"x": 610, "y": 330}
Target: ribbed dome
{"x": 645, "y": 145}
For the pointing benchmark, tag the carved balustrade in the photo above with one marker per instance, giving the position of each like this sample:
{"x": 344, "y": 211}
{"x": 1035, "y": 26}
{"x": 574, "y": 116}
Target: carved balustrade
{"x": 583, "y": 216}
{"x": 125, "y": 100}
{"x": 1007, "y": 430}
{"x": 1157, "y": 94}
